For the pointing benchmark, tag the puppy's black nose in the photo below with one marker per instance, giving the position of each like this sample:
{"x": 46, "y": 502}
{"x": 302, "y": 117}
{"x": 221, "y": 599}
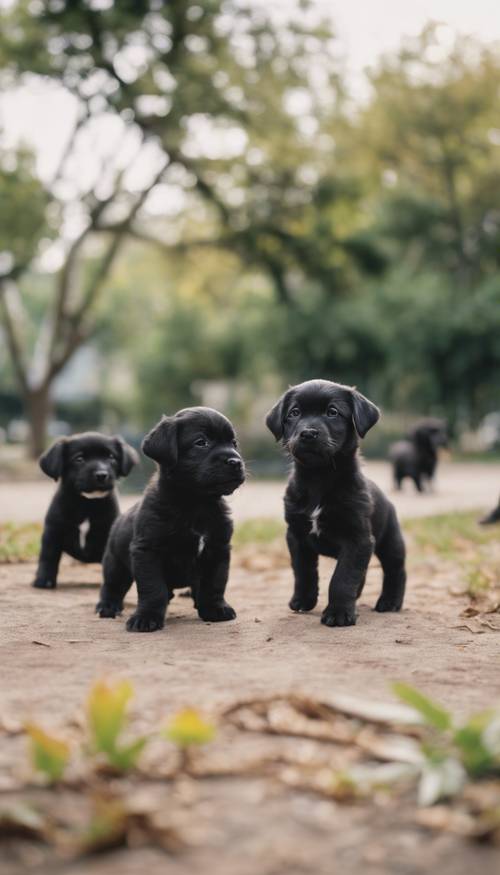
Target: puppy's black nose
{"x": 101, "y": 477}
{"x": 235, "y": 462}
{"x": 309, "y": 434}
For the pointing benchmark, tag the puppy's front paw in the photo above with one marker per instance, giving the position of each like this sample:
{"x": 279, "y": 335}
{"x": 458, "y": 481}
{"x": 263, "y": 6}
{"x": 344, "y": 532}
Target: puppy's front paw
{"x": 44, "y": 583}
{"x": 145, "y": 622}
{"x": 108, "y": 609}
{"x": 216, "y": 613}
{"x": 303, "y": 603}
{"x": 338, "y": 617}
{"x": 386, "y": 605}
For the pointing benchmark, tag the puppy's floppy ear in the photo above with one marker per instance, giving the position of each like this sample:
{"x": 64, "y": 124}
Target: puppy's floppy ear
{"x": 161, "y": 442}
{"x": 52, "y": 461}
{"x": 127, "y": 456}
{"x": 364, "y": 413}
{"x": 274, "y": 419}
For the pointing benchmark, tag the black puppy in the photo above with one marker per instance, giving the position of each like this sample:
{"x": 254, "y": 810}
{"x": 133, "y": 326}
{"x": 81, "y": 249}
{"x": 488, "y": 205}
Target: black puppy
{"x": 330, "y": 507}
{"x": 88, "y": 466}
{"x": 492, "y": 517}
{"x": 179, "y": 534}
{"x": 417, "y": 456}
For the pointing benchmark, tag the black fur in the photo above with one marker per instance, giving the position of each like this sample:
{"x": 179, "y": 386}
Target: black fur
{"x": 331, "y": 509}
{"x": 179, "y": 534}
{"x": 85, "y": 464}
{"x": 417, "y": 456}
{"x": 492, "y": 517}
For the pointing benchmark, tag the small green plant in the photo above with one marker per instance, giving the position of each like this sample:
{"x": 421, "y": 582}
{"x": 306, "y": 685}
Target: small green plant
{"x": 187, "y": 730}
{"x": 453, "y": 752}
{"x": 106, "y": 828}
{"x": 478, "y": 580}
{"x": 107, "y": 719}
{"x": 49, "y": 755}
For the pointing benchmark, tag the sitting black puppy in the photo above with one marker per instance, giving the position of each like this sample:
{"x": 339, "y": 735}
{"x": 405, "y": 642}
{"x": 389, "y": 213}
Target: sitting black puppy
{"x": 88, "y": 466}
{"x": 417, "y": 456}
{"x": 179, "y": 534}
{"x": 330, "y": 507}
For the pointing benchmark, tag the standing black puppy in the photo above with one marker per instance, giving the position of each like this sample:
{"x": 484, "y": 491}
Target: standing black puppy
{"x": 87, "y": 466}
{"x": 179, "y": 534}
{"x": 331, "y": 509}
{"x": 417, "y": 456}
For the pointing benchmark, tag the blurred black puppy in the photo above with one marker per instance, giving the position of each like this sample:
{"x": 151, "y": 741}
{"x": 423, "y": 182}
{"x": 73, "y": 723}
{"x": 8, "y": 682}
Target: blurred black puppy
{"x": 88, "y": 466}
{"x": 330, "y": 507}
{"x": 179, "y": 534}
{"x": 492, "y": 517}
{"x": 417, "y": 456}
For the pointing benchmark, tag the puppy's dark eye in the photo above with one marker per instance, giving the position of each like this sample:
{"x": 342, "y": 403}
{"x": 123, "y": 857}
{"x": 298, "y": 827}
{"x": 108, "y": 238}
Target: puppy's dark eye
{"x": 79, "y": 458}
{"x": 293, "y": 413}
{"x": 111, "y": 455}
{"x": 201, "y": 442}
{"x": 332, "y": 411}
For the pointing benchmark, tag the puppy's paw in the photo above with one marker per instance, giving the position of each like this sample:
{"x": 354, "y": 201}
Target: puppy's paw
{"x": 108, "y": 609}
{"x": 386, "y": 605}
{"x": 338, "y": 617}
{"x": 145, "y": 622}
{"x": 44, "y": 583}
{"x": 303, "y": 603}
{"x": 216, "y": 613}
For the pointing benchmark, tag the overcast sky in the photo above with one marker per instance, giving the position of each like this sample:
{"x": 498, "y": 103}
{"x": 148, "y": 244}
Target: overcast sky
{"x": 365, "y": 28}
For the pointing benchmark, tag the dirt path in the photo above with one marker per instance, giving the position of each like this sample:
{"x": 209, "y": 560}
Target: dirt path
{"x": 459, "y": 486}
{"x": 53, "y": 647}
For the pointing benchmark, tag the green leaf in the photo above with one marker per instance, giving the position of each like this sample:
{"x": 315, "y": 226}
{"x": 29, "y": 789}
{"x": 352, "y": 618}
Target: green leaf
{"x": 126, "y": 757}
{"x": 432, "y": 713}
{"x": 50, "y": 755}
{"x": 476, "y": 757}
{"x": 107, "y": 713}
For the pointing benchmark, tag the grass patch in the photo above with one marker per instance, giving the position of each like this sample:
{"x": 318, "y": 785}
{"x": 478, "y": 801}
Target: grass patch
{"x": 19, "y": 542}
{"x": 450, "y": 533}
{"x": 261, "y": 530}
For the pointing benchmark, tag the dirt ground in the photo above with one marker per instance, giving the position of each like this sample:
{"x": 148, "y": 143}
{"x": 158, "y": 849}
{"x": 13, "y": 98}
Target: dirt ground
{"x": 53, "y": 647}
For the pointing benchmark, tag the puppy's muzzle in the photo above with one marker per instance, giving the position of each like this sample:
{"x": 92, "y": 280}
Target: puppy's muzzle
{"x": 308, "y": 435}
{"x": 102, "y": 478}
{"x": 235, "y": 464}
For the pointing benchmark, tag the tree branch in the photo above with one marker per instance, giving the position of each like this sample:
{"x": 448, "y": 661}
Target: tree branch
{"x": 75, "y": 320}
{"x": 13, "y": 341}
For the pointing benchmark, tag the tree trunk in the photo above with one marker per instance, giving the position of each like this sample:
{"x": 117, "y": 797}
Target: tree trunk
{"x": 38, "y": 405}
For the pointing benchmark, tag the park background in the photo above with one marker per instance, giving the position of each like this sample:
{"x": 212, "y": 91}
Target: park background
{"x": 202, "y": 203}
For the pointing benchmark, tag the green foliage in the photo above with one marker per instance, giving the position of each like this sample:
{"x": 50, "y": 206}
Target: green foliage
{"x": 49, "y": 755}
{"x": 107, "y": 720}
{"x": 360, "y": 244}
{"x": 450, "y": 533}
{"x": 19, "y": 542}
{"x": 453, "y": 751}
{"x": 23, "y": 202}
{"x": 432, "y": 713}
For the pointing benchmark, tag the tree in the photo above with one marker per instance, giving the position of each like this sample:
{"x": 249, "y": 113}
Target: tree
{"x": 205, "y": 93}
{"x": 428, "y": 147}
